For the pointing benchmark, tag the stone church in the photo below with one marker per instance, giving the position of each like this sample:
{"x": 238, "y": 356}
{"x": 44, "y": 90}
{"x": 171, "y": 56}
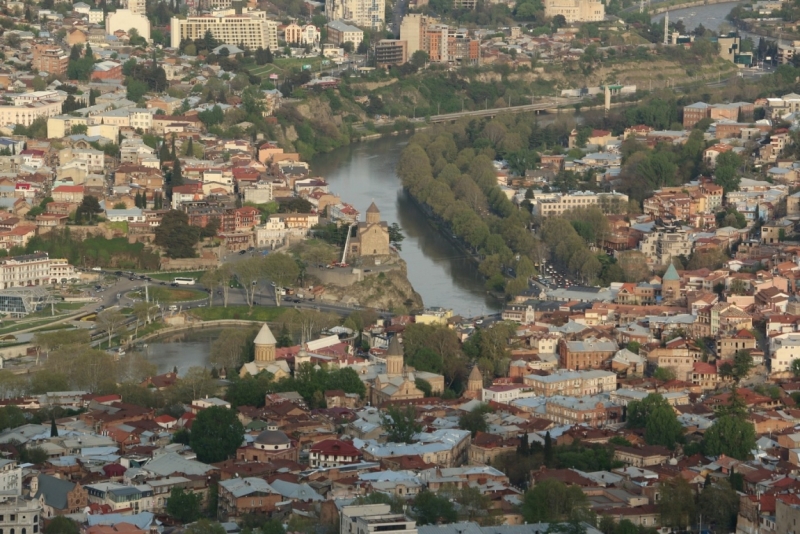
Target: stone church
{"x": 399, "y": 382}
{"x": 372, "y": 236}
{"x": 265, "y": 344}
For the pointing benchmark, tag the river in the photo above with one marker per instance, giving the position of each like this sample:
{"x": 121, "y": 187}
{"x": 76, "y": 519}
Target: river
{"x": 365, "y": 172}
{"x": 709, "y": 16}
{"x": 360, "y": 174}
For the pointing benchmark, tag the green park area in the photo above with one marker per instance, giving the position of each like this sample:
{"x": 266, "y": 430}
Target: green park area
{"x": 169, "y": 294}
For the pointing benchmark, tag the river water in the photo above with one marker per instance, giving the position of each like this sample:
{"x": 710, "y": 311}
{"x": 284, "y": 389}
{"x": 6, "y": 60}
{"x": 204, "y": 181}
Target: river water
{"x": 709, "y": 16}
{"x": 360, "y": 174}
{"x": 366, "y": 172}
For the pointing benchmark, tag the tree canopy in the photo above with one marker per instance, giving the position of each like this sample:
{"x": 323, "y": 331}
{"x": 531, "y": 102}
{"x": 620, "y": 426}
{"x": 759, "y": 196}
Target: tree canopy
{"x": 216, "y": 434}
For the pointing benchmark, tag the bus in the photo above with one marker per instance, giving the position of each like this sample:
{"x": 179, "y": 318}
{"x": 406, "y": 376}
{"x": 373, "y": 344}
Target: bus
{"x": 181, "y": 281}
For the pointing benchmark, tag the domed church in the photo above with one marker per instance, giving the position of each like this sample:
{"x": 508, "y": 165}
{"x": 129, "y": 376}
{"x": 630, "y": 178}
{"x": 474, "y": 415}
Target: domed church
{"x": 271, "y": 444}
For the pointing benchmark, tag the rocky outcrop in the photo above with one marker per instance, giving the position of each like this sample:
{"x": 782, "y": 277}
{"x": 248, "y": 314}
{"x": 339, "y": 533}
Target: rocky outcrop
{"x": 385, "y": 290}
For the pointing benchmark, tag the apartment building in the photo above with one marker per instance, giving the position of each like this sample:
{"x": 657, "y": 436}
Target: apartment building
{"x": 575, "y": 10}
{"x": 389, "y": 52}
{"x": 783, "y": 349}
{"x": 778, "y": 107}
{"x": 26, "y": 108}
{"x": 555, "y": 204}
{"x": 590, "y": 353}
{"x": 665, "y": 241}
{"x": 593, "y": 411}
{"x": 251, "y": 29}
{"x": 50, "y": 59}
{"x": 340, "y": 32}
{"x": 572, "y": 383}
{"x": 734, "y": 111}
{"x": 27, "y": 270}
{"x": 365, "y": 13}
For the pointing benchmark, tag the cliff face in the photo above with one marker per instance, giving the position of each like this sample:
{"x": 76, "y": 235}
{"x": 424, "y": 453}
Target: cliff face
{"x": 386, "y": 290}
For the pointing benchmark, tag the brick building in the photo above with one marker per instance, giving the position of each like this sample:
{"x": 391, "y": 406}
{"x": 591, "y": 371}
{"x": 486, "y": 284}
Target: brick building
{"x": 591, "y": 353}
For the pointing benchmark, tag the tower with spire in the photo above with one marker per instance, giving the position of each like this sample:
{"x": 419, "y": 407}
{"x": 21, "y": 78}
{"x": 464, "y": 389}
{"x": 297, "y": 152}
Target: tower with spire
{"x": 475, "y": 380}
{"x": 394, "y": 358}
{"x": 265, "y": 344}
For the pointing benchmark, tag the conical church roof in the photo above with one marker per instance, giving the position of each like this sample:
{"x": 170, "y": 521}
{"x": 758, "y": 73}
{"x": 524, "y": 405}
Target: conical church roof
{"x": 394, "y": 347}
{"x": 671, "y": 274}
{"x": 373, "y": 208}
{"x": 265, "y": 336}
{"x": 475, "y": 374}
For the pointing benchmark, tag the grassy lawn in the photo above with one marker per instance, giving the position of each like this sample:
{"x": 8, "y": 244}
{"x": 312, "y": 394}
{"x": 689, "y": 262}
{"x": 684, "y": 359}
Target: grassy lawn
{"x": 260, "y": 313}
{"x": 24, "y": 325}
{"x": 167, "y": 277}
{"x": 170, "y": 294}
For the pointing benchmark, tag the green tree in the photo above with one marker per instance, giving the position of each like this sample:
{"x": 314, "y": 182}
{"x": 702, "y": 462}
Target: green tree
{"x": 280, "y": 269}
{"x": 432, "y": 509}
{"x": 719, "y": 505}
{"x": 551, "y": 500}
{"x": 475, "y": 420}
{"x": 419, "y": 59}
{"x": 727, "y": 171}
{"x": 730, "y": 435}
{"x": 677, "y": 505}
{"x": 663, "y": 427}
{"x": 795, "y": 367}
{"x": 184, "y": 506}
{"x": 62, "y": 525}
{"x": 176, "y": 236}
{"x": 216, "y": 434}
{"x": 89, "y": 208}
{"x": 739, "y": 368}
{"x": 400, "y": 424}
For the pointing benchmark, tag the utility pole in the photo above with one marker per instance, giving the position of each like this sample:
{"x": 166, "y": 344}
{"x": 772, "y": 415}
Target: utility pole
{"x": 666, "y": 29}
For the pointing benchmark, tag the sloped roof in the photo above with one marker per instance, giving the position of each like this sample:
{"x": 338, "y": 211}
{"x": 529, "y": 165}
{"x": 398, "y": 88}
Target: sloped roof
{"x": 265, "y": 336}
{"x": 55, "y": 491}
{"x": 671, "y": 274}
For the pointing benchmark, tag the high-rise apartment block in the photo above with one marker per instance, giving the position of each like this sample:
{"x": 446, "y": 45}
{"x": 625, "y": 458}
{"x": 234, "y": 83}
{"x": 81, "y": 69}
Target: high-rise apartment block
{"x": 251, "y": 29}
{"x": 50, "y": 59}
{"x": 442, "y": 43}
{"x": 363, "y": 13}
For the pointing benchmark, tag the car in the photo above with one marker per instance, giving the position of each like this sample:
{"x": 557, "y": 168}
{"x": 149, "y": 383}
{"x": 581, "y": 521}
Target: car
{"x": 479, "y": 321}
{"x": 162, "y": 283}
{"x": 242, "y": 252}
{"x": 100, "y": 308}
{"x": 287, "y": 299}
{"x": 173, "y": 284}
{"x": 367, "y": 270}
{"x": 272, "y": 284}
{"x": 131, "y": 279}
{"x": 296, "y": 301}
{"x": 118, "y": 273}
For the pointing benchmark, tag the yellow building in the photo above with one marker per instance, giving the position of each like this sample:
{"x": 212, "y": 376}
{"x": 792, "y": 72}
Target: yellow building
{"x": 434, "y": 316}
{"x": 575, "y": 10}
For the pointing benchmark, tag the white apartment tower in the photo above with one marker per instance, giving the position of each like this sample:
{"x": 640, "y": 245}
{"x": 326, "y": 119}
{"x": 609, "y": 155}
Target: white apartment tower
{"x": 251, "y": 29}
{"x": 137, "y": 6}
{"x": 363, "y": 13}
